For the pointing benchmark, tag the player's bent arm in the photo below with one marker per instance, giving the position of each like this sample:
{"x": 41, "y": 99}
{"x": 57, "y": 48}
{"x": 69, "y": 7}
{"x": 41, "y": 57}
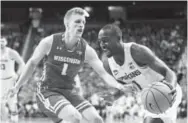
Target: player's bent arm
{"x": 40, "y": 51}
{"x": 144, "y": 56}
{"x": 19, "y": 61}
{"x": 92, "y": 59}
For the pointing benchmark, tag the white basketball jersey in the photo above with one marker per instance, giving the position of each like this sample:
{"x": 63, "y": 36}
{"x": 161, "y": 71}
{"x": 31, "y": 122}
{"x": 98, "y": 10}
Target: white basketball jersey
{"x": 130, "y": 71}
{"x": 7, "y": 65}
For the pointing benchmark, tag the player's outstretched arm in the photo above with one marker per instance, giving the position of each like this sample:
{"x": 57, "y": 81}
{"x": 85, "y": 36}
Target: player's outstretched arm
{"x": 18, "y": 59}
{"x": 41, "y": 50}
{"x": 92, "y": 59}
{"x": 144, "y": 56}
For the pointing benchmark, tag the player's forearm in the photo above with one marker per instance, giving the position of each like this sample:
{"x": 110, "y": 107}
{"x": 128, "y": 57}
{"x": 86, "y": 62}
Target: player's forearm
{"x": 26, "y": 73}
{"x": 171, "y": 77}
{"x": 111, "y": 81}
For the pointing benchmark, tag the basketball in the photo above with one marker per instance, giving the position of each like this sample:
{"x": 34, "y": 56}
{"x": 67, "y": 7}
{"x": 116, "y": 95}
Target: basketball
{"x": 156, "y": 98}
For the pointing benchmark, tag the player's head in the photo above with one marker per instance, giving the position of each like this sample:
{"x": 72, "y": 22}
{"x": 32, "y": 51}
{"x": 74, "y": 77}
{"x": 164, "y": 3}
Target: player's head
{"x": 3, "y": 42}
{"x": 110, "y": 39}
{"x": 74, "y": 21}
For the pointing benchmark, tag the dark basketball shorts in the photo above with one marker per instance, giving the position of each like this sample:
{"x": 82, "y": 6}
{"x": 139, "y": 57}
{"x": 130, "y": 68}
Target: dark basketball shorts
{"x": 51, "y": 101}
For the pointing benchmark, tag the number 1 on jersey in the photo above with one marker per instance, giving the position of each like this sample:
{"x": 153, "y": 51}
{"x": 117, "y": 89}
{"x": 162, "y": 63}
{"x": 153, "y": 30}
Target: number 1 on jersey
{"x": 64, "y": 70}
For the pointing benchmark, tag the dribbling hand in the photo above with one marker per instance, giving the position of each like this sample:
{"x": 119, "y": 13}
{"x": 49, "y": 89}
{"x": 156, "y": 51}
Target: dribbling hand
{"x": 173, "y": 92}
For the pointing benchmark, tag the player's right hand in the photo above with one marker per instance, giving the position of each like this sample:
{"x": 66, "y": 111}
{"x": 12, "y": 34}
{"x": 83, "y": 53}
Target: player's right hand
{"x": 173, "y": 92}
{"x": 129, "y": 88}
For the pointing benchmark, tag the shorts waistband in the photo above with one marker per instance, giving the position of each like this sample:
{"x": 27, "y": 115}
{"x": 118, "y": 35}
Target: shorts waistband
{"x": 6, "y": 78}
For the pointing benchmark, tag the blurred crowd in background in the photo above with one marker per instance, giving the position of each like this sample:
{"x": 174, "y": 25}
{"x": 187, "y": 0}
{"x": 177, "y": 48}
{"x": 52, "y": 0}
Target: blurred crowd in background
{"x": 166, "y": 38}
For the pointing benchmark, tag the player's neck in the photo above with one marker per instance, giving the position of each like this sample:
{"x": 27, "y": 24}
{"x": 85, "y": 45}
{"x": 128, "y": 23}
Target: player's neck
{"x": 120, "y": 56}
{"x": 70, "y": 41}
{"x": 3, "y": 50}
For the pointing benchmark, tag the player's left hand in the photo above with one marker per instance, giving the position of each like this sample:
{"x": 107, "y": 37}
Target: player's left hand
{"x": 129, "y": 88}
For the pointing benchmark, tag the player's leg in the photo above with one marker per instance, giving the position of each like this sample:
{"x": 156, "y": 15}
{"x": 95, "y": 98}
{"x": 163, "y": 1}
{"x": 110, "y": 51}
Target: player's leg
{"x": 12, "y": 103}
{"x": 89, "y": 113}
{"x": 4, "y": 112}
{"x": 57, "y": 107}
{"x": 13, "y": 109}
{"x": 7, "y": 84}
{"x": 171, "y": 114}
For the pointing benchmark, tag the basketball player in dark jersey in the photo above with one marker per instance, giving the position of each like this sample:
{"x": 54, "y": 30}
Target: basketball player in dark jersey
{"x": 66, "y": 54}
{"x": 137, "y": 64}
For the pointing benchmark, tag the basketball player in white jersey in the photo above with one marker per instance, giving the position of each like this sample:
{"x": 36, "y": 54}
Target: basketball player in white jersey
{"x": 8, "y": 77}
{"x": 137, "y": 64}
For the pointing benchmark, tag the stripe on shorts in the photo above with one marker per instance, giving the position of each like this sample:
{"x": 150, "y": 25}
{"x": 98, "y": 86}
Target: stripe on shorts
{"x": 83, "y": 105}
{"x": 47, "y": 103}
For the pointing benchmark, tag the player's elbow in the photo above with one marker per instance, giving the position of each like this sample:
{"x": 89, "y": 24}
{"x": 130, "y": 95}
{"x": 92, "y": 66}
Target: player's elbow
{"x": 22, "y": 64}
{"x": 171, "y": 72}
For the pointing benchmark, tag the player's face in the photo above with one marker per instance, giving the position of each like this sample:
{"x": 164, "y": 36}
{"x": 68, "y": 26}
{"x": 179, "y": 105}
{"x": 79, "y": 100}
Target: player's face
{"x": 76, "y": 25}
{"x": 108, "y": 43}
{"x": 3, "y": 43}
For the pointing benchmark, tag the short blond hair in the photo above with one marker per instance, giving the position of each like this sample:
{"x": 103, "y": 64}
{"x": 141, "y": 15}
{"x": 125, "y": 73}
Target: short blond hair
{"x": 75, "y": 10}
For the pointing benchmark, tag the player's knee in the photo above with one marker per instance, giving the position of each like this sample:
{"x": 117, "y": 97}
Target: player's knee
{"x": 97, "y": 119}
{"x": 69, "y": 113}
{"x": 91, "y": 115}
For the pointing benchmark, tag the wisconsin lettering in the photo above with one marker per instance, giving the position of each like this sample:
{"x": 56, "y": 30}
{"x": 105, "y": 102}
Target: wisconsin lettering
{"x": 67, "y": 59}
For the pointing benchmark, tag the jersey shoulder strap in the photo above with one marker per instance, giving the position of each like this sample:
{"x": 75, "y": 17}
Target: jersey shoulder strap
{"x": 83, "y": 45}
{"x": 56, "y": 41}
{"x": 127, "y": 50}
{"x": 8, "y": 53}
{"x": 57, "y": 37}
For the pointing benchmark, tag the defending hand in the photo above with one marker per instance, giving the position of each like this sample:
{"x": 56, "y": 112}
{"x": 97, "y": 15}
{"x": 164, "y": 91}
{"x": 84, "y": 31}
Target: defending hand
{"x": 12, "y": 92}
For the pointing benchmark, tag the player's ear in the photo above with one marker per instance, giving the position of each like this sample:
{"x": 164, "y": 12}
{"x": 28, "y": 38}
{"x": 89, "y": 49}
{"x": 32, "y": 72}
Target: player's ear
{"x": 66, "y": 26}
{"x": 119, "y": 38}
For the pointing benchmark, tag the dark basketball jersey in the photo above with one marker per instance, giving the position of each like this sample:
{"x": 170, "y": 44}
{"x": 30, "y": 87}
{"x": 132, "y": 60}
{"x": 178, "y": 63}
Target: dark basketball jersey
{"x": 62, "y": 65}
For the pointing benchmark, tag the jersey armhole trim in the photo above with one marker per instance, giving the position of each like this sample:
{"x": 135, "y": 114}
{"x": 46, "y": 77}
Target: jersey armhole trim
{"x": 51, "y": 46}
{"x": 85, "y": 61}
{"x": 141, "y": 67}
{"x": 9, "y": 54}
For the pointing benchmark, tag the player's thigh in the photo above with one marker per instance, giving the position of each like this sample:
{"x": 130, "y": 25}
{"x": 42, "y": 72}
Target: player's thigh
{"x": 7, "y": 84}
{"x": 82, "y": 105}
{"x": 78, "y": 101}
{"x": 91, "y": 114}
{"x": 57, "y": 107}
{"x": 44, "y": 108}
